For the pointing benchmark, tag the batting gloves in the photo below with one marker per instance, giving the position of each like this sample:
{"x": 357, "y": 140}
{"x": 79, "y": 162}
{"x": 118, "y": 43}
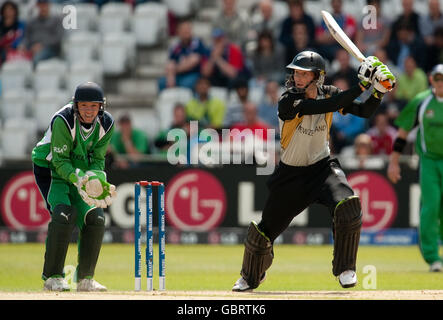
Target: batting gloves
{"x": 366, "y": 71}
{"x": 383, "y": 79}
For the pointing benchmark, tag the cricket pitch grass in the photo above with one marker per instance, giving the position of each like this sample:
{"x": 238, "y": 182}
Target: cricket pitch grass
{"x": 203, "y": 272}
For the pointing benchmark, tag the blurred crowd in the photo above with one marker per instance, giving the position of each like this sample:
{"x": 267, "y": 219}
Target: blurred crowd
{"x": 248, "y": 52}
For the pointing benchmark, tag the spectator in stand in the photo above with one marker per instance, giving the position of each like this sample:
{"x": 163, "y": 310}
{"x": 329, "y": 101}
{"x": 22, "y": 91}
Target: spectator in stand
{"x": 251, "y": 121}
{"x": 225, "y": 62}
{"x": 435, "y": 51}
{"x": 235, "y": 110}
{"x": 405, "y": 44}
{"x": 129, "y": 141}
{"x": 342, "y": 67}
{"x": 409, "y": 16}
{"x": 245, "y": 135}
{"x": 367, "y": 38}
{"x": 232, "y": 21}
{"x": 296, "y": 15}
{"x": 43, "y": 34}
{"x": 268, "y": 59}
{"x": 185, "y": 58}
{"x": 268, "y": 107}
{"x": 382, "y": 134}
{"x": 429, "y": 23}
{"x": 300, "y": 42}
{"x": 345, "y": 128}
{"x": 360, "y": 155}
{"x": 209, "y": 111}
{"x": 11, "y": 29}
{"x": 327, "y": 44}
{"x": 264, "y": 20}
{"x": 412, "y": 81}
{"x": 179, "y": 121}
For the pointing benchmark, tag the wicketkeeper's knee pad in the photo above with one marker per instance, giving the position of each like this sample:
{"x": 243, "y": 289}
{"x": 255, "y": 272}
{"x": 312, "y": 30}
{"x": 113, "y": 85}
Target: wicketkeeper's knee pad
{"x": 258, "y": 256}
{"x": 64, "y": 214}
{"x": 95, "y": 217}
{"x": 347, "y": 225}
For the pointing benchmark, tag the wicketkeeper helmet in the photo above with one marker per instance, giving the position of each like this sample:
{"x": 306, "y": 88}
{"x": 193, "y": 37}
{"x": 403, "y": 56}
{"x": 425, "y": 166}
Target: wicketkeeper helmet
{"x": 89, "y": 92}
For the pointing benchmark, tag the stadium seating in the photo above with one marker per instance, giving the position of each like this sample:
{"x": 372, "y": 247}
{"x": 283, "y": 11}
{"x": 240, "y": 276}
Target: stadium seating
{"x": 182, "y": 8}
{"x": 46, "y": 104}
{"x": 219, "y": 93}
{"x": 118, "y": 52}
{"x": 114, "y": 17}
{"x": 18, "y": 136}
{"x": 150, "y": 23}
{"x": 166, "y": 102}
{"x": 114, "y": 54}
{"x": 49, "y": 75}
{"x": 14, "y": 104}
{"x": 81, "y": 46}
{"x": 82, "y": 72}
{"x": 16, "y": 75}
{"x": 87, "y": 16}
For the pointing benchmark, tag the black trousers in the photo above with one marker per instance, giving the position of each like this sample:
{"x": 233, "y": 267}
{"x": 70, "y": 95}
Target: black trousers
{"x": 292, "y": 189}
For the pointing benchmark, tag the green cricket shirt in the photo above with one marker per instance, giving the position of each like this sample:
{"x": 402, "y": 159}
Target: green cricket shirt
{"x": 425, "y": 110}
{"x": 67, "y": 145}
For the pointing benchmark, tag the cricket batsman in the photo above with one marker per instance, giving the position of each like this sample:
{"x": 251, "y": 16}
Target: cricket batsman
{"x": 68, "y": 168}
{"x": 425, "y": 111}
{"x": 306, "y": 173}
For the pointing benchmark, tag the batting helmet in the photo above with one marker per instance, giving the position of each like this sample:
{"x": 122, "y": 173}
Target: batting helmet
{"x": 308, "y": 61}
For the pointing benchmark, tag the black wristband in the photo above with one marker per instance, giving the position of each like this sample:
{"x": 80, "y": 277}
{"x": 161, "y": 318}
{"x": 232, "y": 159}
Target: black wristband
{"x": 399, "y": 145}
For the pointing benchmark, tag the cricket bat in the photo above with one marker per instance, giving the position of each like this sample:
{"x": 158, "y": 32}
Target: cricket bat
{"x": 341, "y": 37}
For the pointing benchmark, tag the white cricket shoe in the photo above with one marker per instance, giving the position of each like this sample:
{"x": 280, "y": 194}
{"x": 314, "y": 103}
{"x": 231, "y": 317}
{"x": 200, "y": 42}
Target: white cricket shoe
{"x": 435, "y": 266}
{"x": 90, "y": 285}
{"x": 348, "y": 279}
{"x": 56, "y": 284}
{"x": 241, "y": 285}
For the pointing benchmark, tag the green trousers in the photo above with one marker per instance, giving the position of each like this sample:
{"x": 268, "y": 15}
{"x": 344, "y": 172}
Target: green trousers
{"x": 431, "y": 213}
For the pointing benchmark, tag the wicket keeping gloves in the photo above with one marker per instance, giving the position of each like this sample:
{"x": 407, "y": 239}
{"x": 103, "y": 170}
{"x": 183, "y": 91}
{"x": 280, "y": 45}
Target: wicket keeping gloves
{"x": 383, "y": 79}
{"x": 78, "y": 179}
{"x": 99, "y": 189}
{"x": 366, "y": 71}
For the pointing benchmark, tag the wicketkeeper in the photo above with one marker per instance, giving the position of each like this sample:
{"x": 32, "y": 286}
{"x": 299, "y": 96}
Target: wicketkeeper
{"x": 68, "y": 169}
{"x": 306, "y": 173}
